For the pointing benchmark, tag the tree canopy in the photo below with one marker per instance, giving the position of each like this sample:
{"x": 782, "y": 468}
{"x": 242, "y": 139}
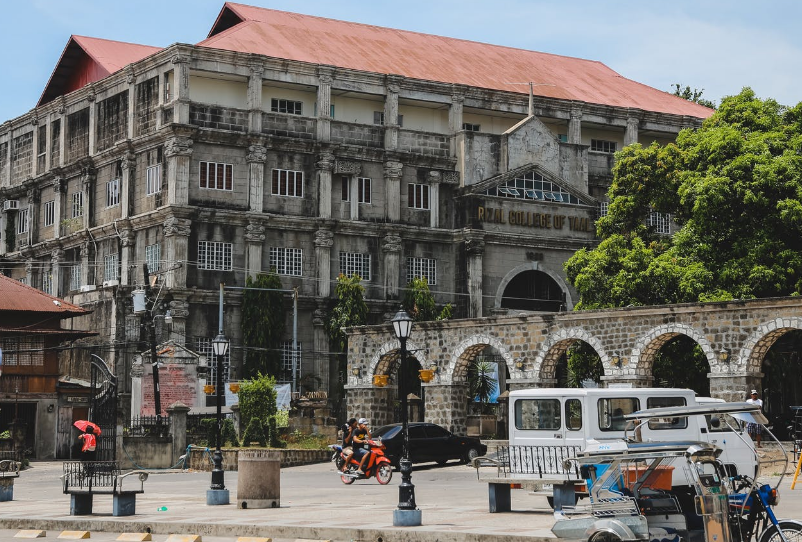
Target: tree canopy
{"x": 694, "y": 95}
{"x": 263, "y": 325}
{"x": 734, "y": 191}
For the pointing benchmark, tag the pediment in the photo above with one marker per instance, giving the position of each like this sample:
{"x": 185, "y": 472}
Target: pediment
{"x": 531, "y": 183}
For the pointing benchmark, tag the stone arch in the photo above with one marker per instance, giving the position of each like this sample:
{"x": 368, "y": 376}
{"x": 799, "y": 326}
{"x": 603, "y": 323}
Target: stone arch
{"x": 386, "y": 356}
{"x": 467, "y": 350}
{"x": 648, "y": 345}
{"x": 754, "y": 349}
{"x": 556, "y": 345}
{"x": 533, "y": 266}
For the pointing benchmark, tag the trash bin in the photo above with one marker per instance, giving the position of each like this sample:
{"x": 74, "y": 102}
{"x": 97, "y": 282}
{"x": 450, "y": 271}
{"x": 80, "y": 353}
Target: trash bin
{"x": 259, "y": 479}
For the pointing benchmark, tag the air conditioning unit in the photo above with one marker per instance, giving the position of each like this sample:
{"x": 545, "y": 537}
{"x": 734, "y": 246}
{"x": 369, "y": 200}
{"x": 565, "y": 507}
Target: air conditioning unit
{"x": 88, "y": 288}
{"x": 110, "y": 283}
{"x": 11, "y": 205}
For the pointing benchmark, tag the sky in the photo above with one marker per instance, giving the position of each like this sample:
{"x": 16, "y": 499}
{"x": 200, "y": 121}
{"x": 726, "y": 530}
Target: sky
{"x": 718, "y": 46}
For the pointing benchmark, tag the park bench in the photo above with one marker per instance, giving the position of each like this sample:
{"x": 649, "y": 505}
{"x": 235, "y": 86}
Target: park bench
{"x": 85, "y": 479}
{"x": 9, "y": 470}
{"x": 529, "y": 467}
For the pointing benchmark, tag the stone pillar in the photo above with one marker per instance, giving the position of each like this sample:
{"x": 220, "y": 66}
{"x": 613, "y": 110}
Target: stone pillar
{"x": 631, "y": 133}
{"x": 34, "y": 147}
{"x": 391, "y": 114}
{"x": 324, "y": 103}
{"x": 325, "y": 166}
{"x": 254, "y": 240}
{"x": 353, "y": 189}
{"x": 92, "y": 126}
{"x": 5, "y": 171}
{"x": 87, "y": 185}
{"x": 256, "y": 157}
{"x": 29, "y": 272}
{"x": 178, "y": 151}
{"x": 127, "y": 182}
{"x": 59, "y": 187}
{"x": 391, "y": 249}
{"x": 734, "y": 387}
{"x": 455, "y": 122}
{"x": 130, "y": 132}
{"x": 62, "y": 135}
{"x": 324, "y": 240}
{"x": 321, "y": 367}
{"x": 85, "y": 247}
{"x": 181, "y": 84}
{"x": 378, "y": 402}
{"x": 55, "y": 264}
{"x": 33, "y": 216}
{"x": 179, "y": 310}
{"x": 575, "y": 126}
{"x": 474, "y": 249}
{"x": 48, "y": 143}
{"x": 446, "y": 405}
{"x": 392, "y": 183}
{"x": 254, "y": 99}
{"x": 178, "y": 429}
{"x": 434, "y": 199}
{"x": 126, "y": 256}
{"x": 176, "y": 237}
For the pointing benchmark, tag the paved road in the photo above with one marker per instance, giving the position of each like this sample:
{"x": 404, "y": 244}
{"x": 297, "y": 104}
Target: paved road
{"x": 314, "y": 505}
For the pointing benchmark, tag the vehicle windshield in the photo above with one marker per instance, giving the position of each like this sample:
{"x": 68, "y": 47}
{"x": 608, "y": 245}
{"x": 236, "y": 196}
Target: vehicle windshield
{"x": 386, "y": 431}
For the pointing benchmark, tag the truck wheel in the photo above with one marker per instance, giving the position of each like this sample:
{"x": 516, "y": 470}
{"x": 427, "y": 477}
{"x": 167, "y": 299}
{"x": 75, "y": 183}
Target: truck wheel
{"x": 550, "y": 498}
{"x": 791, "y": 530}
{"x": 604, "y": 536}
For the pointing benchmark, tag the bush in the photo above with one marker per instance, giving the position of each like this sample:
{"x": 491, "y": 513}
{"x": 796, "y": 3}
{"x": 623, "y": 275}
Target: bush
{"x": 257, "y": 399}
{"x": 255, "y": 432}
{"x": 227, "y": 435}
{"x": 275, "y": 439}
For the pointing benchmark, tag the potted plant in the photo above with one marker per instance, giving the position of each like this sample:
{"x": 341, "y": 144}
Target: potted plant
{"x": 481, "y": 385}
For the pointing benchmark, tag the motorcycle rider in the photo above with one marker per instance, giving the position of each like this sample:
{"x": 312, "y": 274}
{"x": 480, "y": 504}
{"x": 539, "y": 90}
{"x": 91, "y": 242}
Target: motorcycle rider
{"x": 359, "y": 436}
{"x": 348, "y": 450}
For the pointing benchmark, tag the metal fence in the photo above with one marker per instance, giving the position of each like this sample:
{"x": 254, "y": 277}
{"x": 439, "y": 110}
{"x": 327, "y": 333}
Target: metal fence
{"x": 147, "y": 426}
{"x": 540, "y": 461}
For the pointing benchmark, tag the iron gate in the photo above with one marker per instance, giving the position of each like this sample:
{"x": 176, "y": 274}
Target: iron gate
{"x": 103, "y": 409}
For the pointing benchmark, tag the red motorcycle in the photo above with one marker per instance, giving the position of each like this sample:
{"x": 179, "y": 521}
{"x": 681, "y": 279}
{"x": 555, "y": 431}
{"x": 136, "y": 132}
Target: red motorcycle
{"x": 377, "y": 465}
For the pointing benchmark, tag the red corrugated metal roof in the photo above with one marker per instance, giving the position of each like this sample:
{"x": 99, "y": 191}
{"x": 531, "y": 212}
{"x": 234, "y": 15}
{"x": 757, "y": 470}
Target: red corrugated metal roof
{"x": 15, "y": 296}
{"x": 377, "y": 49}
{"x": 85, "y": 60}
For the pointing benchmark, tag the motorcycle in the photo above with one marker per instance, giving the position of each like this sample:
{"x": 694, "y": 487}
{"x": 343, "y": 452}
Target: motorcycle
{"x": 378, "y": 464}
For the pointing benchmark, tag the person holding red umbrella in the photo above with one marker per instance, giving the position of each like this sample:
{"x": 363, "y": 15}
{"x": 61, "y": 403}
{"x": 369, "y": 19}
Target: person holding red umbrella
{"x": 89, "y": 443}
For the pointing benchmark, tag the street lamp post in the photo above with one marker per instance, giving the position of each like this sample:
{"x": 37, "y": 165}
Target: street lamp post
{"x": 217, "y": 493}
{"x": 407, "y": 513}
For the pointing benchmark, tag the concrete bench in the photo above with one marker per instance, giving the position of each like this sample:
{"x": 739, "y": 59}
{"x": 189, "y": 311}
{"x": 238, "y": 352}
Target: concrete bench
{"x": 529, "y": 467}
{"x": 9, "y": 471}
{"x": 83, "y": 480}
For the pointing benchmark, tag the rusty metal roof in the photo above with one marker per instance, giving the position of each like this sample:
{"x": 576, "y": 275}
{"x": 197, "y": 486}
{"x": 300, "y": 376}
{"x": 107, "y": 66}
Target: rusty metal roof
{"x": 86, "y": 60}
{"x": 18, "y": 297}
{"x": 377, "y": 49}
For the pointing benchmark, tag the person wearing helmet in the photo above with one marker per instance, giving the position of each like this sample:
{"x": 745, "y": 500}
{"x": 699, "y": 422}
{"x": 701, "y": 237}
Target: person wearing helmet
{"x": 359, "y": 437}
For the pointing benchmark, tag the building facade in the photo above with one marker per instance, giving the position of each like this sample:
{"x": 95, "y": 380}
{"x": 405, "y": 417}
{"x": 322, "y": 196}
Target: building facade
{"x": 315, "y": 147}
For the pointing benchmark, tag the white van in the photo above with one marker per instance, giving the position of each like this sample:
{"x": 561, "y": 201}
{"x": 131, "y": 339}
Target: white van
{"x": 572, "y": 416}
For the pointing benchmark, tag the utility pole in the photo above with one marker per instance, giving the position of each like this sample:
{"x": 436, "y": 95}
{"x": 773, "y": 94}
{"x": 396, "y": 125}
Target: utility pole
{"x": 147, "y": 320}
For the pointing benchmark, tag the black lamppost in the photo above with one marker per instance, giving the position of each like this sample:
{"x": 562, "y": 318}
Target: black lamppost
{"x": 407, "y": 513}
{"x": 217, "y": 493}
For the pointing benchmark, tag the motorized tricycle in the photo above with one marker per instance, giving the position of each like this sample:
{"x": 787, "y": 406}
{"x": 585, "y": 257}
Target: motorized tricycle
{"x": 671, "y": 492}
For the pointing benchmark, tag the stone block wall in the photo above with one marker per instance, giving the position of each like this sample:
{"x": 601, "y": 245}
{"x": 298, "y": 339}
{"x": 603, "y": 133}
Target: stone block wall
{"x": 221, "y": 118}
{"x": 424, "y": 143}
{"x": 357, "y": 134}
{"x": 288, "y": 126}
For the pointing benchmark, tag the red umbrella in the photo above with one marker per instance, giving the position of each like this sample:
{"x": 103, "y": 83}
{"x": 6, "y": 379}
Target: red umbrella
{"x": 83, "y": 424}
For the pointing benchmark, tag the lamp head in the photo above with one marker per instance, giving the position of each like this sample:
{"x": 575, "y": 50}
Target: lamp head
{"x": 220, "y": 345}
{"x": 402, "y": 324}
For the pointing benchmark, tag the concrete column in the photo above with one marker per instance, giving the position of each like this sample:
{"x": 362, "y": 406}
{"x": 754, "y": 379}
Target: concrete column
{"x": 176, "y": 239}
{"x": 29, "y": 272}
{"x": 434, "y": 198}
{"x": 179, "y": 310}
{"x": 392, "y": 185}
{"x": 733, "y": 387}
{"x": 92, "y": 126}
{"x": 256, "y": 157}
{"x": 58, "y": 205}
{"x": 48, "y": 143}
{"x": 127, "y": 273}
{"x": 353, "y": 194}
{"x": 391, "y": 114}
{"x": 322, "y": 367}
{"x": 575, "y": 127}
{"x": 127, "y": 181}
{"x": 254, "y": 99}
{"x": 391, "y": 251}
{"x": 455, "y": 121}
{"x": 325, "y": 166}
{"x": 62, "y": 138}
{"x": 178, "y": 429}
{"x": 55, "y": 265}
{"x": 324, "y": 103}
{"x": 178, "y": 152}
{"x": 35, "y": 148}
{"x": 5, "y": 170}
{"x": 254, "y": 241}
{"x": 85, "y": 248}
{"x": 161, "y": 85}
{"x": 475, "y": 249}
{"x": 131, "y": 107}
{"x": 33, "y": 216}
{"x": 324, "y": 240}
{"x": 88, "y": 184}
{"x": 181, "y": 85}
{"x": 631, "y": 133}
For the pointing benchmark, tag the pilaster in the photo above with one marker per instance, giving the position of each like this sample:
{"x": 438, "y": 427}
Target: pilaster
{"x": 391, "y": 251}
{"x": 176, "y": 237}
{"x": 575, "y": 126}
{"x": 59, "y": 188}
{"x": 631, "y": 133}
{"x": 56, "y": 256}
{"x": 87, "y": 186}
{"x": 391, "y": 113}
{"x": 455, "y": 115}
{"x": 131, "y": 80}
{"x": 126, "y": 256}
{"x": 434, "y": 199}
{"x": 33, "y": 216}
{"x": 35, "y": 148}
{"x": 85, "y": 248}
{"x": 178, "y": 152}
{"x": 254, "y": 99}
{"x": 181, "y": 84}
{"x": 254, "y": 241}
{"x": 325, "y": 166}
{"x": 256, "y": 157}
{"x": 29, "y": 272}
{"x": 475, "y": 249}
{"x": 128, "y": 165}
{"x": 92, "y": 126}
{"x": 179, "y": 310}
{"x": 324, "y": 240}
{"x": 325, "y": 74}
{"x": 392, "y": 183}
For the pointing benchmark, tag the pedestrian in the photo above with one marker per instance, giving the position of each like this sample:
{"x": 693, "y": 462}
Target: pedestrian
{"x": 89, "y": 444}
{"x": 755, "y": 430}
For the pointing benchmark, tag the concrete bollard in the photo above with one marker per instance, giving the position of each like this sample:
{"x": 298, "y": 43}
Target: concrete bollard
{"x": 259, "y": 479}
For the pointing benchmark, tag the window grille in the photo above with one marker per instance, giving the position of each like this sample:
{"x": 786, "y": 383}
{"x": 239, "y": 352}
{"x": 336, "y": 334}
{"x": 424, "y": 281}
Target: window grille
{"x": 75, "y": 277}
{"x": 603, "y": 208}
{"x": 418, "y": 196}
{"x": 422, "y": 268}
{"x": 661, "y": 222}
{"x": 47, "y": 282}
{"x": 532, "y": 186}
{"x": 153, "y": 255}
{"x": 214, "y": 255}
{"x": 216, "y": 176}
{"x": 355, "y": 263}
{"x": 286, "y": 261}
{"x": 203, "y": 346}
{"x": 288, "y": 183}
{"x": 286, "y": 363}
{"x": 111, "y": 267}
{"x": 23, "y": 351}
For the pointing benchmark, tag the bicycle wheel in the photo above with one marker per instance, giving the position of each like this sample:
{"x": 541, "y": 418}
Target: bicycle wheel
{"x": 791, "y": 530}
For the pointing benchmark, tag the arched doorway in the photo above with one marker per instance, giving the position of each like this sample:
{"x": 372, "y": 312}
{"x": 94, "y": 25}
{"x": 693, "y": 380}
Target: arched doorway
{"x": 533, "y": 290}
{"x": 389, "y": 365}
{"x": 781, "y": 386}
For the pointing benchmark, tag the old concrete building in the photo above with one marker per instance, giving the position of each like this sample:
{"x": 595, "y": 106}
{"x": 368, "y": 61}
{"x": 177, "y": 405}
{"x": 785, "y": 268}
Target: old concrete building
{"x": 317, "y": 147}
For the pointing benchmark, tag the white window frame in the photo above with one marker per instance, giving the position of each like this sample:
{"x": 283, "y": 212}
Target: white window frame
{"x": 286, "y": 362}
{"x": 47, "y": 282}
{"x": 364, "y": 190}
{"x": 420, "y": 198}
{"x": 280, "y": 184}
{"x": 283, "y": 105}
{"x": 77, "y": 204}
{"x": 604, "y": 208}
{"x": 75, "y": 277}
{"x": 471, "y": 127}
{"x": 213, "y": 180}
{"x": 153, "y": 180}
{"x": 214, "y": 255}
{"x": 113, "y": 193}
{"x": 660, "y": 221}
{"x": 111, "y": 267}
{"x": 603, "y": 145}
{"x": 422, "y": 267}
{"x": 49, "y": 212}
{"x": 22, "y": 220}
{"x": 153, "y": 254}
{"x": 287, "y": 261}
{"x": 355, "y": 263}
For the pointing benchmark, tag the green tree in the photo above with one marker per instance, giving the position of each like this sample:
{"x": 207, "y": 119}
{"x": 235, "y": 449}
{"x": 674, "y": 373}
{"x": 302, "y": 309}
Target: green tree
{"x": 419, "y": 302}
{"x": 583, "y": 364}
{"x": 349, "y": 310}
{"x": 263, "y": 325}
{"x": 694, "y": 95}
{"x": 734, "y": 190}
{"x": 257, "y": 399}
